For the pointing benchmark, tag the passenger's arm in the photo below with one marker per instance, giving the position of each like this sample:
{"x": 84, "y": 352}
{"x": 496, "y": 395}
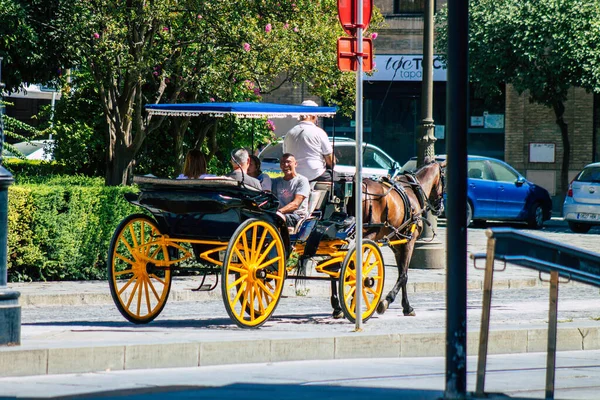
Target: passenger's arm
{"x": 292, "y": 205}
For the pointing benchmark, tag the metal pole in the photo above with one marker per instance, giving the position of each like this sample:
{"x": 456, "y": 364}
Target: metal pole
{"x": 426, "y": 140}
{"x": 485, "y": 314}
{"x": 359, "y": 162}
{"x": 456, "y": 242}
{"x": 552, "y": 335}
{"x": 10, "y": 310}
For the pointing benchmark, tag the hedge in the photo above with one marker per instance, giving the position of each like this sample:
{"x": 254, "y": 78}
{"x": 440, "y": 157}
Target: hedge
{"x": 60, "y": 230}
{"x": 24, "y": 169}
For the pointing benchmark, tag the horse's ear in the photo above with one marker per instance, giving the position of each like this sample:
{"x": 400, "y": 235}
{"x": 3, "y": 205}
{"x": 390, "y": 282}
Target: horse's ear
{"x": 442, "y": 164}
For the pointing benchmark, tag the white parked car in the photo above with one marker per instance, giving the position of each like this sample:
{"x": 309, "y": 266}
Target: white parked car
{"x": 376, "y": 162}
{"x": 581, "y": 208}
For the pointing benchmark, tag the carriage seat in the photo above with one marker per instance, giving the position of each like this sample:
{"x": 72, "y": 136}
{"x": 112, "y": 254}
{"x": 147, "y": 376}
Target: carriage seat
{"x": 321, "y": 186}
{"x": 303, "y": 228}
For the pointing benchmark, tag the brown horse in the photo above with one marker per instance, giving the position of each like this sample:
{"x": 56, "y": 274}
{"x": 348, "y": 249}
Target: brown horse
{"x": 394, "y": 211}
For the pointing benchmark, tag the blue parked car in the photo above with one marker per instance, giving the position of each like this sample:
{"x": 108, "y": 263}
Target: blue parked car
{"x": 496, "y": 191}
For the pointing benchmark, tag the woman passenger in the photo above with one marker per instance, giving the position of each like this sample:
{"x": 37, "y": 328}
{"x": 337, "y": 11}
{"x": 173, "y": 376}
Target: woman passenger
{"x": 194, "y": 166}
{"x": 255, "y": 172}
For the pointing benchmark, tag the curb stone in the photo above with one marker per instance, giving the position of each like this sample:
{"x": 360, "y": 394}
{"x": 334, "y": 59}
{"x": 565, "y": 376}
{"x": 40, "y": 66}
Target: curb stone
{"x": 18, "y": 361}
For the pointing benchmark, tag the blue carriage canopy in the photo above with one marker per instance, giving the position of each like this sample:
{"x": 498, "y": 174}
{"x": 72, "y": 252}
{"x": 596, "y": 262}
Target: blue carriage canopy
{"x": 242, "y": 110}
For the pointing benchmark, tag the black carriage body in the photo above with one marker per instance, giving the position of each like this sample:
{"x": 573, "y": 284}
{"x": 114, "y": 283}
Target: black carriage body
{"x": 205, "y": 209}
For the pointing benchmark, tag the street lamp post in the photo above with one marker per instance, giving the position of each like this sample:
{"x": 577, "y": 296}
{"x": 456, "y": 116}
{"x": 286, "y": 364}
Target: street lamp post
{"x": 428, "y": 254}
{"x": 426, "y": 140}
{"x": 10, "y": 310}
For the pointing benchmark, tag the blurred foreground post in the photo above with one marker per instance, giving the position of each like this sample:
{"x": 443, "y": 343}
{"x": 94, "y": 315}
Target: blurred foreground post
{"x": 10, "y": 310}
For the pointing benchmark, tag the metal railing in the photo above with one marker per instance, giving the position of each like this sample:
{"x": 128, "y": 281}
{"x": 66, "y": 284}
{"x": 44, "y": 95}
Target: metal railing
{"x": 546, "y": 256}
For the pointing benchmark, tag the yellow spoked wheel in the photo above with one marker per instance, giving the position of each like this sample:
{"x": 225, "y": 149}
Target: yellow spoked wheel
{"x": 139, "y": 285}
{"x": 373, "y": 277}
{"x": 253, "y": 273}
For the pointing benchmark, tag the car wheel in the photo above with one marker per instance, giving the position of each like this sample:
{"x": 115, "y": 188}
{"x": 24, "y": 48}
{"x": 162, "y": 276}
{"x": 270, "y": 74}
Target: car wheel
{"x": 469, "y": 214}
{"x": 536, "y": 216}
{"x": 578, "y": 227}
{"x": 479, "y": 223}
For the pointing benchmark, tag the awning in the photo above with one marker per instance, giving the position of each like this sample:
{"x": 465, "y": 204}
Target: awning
{"x": 242, "y": 109}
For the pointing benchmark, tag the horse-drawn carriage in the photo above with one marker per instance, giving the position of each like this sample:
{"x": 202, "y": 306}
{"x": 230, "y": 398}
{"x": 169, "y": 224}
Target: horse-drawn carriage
{"x": 234, "y": 232}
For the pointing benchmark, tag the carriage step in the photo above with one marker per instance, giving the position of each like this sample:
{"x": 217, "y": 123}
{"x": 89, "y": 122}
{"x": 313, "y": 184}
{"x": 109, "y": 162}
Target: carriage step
{"x": 203, "y": 288}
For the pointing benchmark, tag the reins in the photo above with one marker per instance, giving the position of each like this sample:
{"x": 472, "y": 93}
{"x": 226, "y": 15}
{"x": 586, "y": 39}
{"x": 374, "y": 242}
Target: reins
{"x": 411, "y": 218}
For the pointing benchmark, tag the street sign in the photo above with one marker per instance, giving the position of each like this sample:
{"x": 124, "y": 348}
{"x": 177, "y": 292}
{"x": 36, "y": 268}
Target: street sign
{"x": 347, "y": 53}
{"x": 347, "y": 13}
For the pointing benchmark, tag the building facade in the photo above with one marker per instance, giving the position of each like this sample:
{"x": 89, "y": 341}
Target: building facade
{"x": 508, "y": 128}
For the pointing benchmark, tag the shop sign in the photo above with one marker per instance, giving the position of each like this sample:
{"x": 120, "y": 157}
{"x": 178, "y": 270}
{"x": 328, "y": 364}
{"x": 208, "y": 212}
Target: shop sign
{"x": 405, "y": 68}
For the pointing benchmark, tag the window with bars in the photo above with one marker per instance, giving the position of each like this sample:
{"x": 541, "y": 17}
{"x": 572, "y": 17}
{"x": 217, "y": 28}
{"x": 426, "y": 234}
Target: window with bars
{"x": 409, "y": 6}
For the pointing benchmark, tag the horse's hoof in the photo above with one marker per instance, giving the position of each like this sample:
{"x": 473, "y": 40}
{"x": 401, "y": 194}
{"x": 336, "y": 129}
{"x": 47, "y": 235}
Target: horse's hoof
{"x": 337, "y": 314}
{"x": 382, "y": 306}
{"x": 411, "y": 313}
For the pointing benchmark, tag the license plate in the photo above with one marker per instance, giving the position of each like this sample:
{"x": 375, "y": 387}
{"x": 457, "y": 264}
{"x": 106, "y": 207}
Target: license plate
{"x": 234, "y": 257}
{"x": 588, "y": 216}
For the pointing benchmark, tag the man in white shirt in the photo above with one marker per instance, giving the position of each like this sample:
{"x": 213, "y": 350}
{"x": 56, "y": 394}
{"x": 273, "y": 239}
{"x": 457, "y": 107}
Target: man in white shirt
{"x": 311, "y": 147}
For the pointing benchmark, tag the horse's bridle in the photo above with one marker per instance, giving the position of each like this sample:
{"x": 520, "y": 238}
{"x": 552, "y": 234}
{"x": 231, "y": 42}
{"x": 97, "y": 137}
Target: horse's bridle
{"x": 437, "y": 207}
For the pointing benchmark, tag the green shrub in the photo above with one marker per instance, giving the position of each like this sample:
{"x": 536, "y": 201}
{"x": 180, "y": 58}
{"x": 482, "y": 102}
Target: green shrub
{"x": 25, "y": 171}
{"x": 61, "y": 231}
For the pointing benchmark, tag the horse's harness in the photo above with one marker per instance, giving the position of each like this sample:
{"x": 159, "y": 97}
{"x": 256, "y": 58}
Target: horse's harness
{"x": 411, "y": 217}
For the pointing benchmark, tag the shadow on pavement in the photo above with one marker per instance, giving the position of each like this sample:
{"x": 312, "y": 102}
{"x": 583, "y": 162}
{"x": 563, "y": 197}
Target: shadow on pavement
{"x": 260, "y": 392}
{"x": 207, "y": 323}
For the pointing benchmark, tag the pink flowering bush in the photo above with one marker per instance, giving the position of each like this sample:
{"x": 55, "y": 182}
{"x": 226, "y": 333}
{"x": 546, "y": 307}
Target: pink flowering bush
{"x": 268, "y": 28}
{"x": 247, "y": 46}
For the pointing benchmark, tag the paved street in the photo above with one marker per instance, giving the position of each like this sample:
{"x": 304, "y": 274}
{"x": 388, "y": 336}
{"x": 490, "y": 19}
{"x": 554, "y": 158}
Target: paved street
{"x": 511, "y": 308}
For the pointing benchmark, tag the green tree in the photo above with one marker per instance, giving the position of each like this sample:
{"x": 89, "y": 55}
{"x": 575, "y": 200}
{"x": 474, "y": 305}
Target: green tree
{"x": 33, "y": 49}
{"x": 143, "y": 52}
{"x": 542, "y": 47}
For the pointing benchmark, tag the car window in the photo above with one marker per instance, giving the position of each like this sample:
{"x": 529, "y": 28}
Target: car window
{"x": 372, "y": 158}
{"x": 502, "y": 173}
{"x": 345, "y": 155}
{"x": 272, "y": 153}
{"x": 410, "y": 166}
{"x": 478, "y": 170}
{"x": 589, "y": 174}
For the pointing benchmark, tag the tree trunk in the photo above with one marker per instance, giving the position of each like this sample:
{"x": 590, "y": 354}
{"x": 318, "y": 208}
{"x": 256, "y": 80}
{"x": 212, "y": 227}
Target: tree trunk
{"x": 180, "y": 126}
{"x": 119, "y": 158}
{"x": 212, "y": 141}
{"x": 559, "y": 111}
{"x": 118, "y": 169}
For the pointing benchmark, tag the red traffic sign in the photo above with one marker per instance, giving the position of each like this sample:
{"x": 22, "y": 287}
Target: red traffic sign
{"x": 347, "y": 53}
{"x": 348, "y": 15}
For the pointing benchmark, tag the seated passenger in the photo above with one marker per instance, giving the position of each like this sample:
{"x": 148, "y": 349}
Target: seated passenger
{"x": 255, "y": 172}
{"x": 292, "y": 190}
{"x": 240, "y": 161}
{"x": 194, "y": 166}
